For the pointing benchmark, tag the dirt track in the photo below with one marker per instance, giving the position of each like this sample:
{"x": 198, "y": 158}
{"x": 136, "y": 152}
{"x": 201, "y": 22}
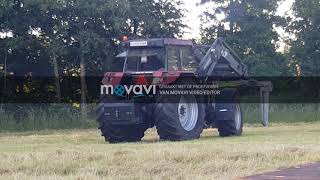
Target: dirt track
{"x": 306, "y": 172}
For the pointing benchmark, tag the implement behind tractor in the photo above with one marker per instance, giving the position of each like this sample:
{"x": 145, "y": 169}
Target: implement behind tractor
{"x": 125, "y": 113}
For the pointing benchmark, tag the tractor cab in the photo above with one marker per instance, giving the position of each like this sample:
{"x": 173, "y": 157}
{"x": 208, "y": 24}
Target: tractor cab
{"x": 164, "y": 54}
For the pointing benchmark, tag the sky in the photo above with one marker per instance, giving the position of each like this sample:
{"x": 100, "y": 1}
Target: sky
{"x": 193, "y": 21}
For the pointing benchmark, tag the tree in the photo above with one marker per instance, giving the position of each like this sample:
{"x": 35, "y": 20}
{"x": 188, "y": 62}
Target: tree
{"x": 151, "y": 18}
{"x": 26, "y": 53}
{"x": 305, "y": 47}
{"x": 248, "y": 26}
{"x": 305, "y": 50}
{"x": 80, "y": 38}
{"x": 86, "y": 27}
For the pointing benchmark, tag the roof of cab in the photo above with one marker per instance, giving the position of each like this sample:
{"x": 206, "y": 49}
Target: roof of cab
{"x": 162, "y": 42}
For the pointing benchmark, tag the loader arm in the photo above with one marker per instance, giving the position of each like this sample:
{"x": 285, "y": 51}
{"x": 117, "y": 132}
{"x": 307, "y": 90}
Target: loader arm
{"x": 223, "y": 62}
{"x": 221, "y": 57}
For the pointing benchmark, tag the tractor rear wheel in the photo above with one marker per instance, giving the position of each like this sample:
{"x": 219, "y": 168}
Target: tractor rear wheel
{"x": 118, "y": 133}
{"x": 179, "y": 121}
{"x": 229, "y": 120}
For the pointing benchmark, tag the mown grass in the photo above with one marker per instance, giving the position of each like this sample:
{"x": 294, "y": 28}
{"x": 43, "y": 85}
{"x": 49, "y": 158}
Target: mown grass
{"x": 82, "y": 154}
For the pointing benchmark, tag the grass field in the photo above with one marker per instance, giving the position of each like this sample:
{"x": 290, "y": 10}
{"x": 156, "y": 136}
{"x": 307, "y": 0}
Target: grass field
{"x": 82, "y": 154}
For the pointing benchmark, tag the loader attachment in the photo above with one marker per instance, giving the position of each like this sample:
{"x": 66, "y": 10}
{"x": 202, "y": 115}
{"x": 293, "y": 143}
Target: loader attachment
{"x": 221, "y": 60}
{"x": 222, "y": 63}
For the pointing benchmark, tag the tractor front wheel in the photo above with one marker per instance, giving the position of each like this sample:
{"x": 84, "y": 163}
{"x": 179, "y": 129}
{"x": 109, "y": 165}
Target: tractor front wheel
{"x": 118, "y": 133}
{"x": 179, "y": 121}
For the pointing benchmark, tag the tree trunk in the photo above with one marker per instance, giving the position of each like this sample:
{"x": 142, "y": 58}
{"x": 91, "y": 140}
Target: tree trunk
{"x": 135, "y": 27}
{"x": 57, "y": 77}
{"x": 83, "y": 84}
{"x": 5, "y": 70}
{"x": 4, "y": 90}
{"x": 232, "y": 15}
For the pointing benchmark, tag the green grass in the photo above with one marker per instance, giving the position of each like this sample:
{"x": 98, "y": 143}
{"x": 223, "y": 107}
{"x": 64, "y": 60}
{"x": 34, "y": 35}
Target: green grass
{"x": 82, "y": 154}
{"x": 30, "y": 117}
{"x": 283, "y": 113}
{"x": 15, "y": 117}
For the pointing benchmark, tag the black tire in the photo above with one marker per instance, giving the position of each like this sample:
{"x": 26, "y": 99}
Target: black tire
{"x": 118, "y": 133}
{"x": 168, "y": 124}
{"x": 229, "y": 119}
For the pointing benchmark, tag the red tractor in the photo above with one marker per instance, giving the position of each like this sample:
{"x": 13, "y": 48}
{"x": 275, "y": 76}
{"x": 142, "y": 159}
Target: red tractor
{"x": 132, "y": 100}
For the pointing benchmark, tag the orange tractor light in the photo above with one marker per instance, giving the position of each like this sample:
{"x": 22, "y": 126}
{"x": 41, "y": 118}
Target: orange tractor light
{"x": 125, "y": 38}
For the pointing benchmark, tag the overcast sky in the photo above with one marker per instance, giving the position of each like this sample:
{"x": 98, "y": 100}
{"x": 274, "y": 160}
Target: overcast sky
{"x": 193, "y": 21}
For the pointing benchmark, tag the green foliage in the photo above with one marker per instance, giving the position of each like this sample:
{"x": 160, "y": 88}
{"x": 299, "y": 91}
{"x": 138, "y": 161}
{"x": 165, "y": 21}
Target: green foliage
{"x": 154, "y": 18}
{"x": 305, "y": 49}
{"x": 59, "y": 26}
{"x": 248, "y": 27}
{"x": 71, "y": 29}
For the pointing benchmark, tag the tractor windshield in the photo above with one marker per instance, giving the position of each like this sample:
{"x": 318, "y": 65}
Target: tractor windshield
{"x": 141, "y": 60}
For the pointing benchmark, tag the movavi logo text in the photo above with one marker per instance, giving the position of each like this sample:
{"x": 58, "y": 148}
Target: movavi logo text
{"x": 127, "y": 90}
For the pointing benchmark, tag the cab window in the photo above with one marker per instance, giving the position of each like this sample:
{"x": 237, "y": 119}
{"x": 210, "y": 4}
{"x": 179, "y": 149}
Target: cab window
{"x": 174, "y": 63}
{"x": 153, "y": 63}
{"x": 188, "y": 61}
{"x": 181, "y": 58}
